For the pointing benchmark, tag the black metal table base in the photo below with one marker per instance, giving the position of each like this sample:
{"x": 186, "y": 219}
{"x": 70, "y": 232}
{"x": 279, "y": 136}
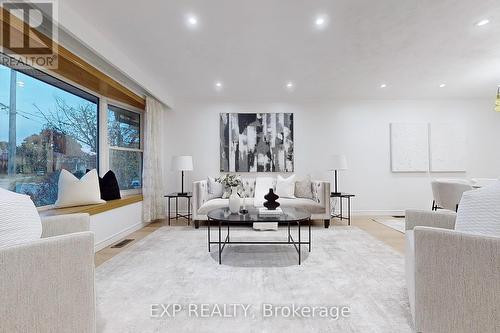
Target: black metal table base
{"x": 177, "y": 214}
{"x": 341, "y": 215}
{"x": 291, "y": 241}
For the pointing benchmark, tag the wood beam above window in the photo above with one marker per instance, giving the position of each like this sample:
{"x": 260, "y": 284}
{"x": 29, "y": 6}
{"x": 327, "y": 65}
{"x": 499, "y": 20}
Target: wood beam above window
{"x": 69, "y": 65}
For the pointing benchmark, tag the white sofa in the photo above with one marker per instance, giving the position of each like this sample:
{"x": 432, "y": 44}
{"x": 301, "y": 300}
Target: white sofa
{"x": 453, "y": 265}
{"x": 47, "y": 285}
{"x": 318, "y": 206}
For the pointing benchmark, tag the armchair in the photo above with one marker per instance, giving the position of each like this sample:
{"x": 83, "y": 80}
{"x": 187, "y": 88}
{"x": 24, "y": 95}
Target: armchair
{"x": 452, "y": 276}
{"x": 48, "y": 285}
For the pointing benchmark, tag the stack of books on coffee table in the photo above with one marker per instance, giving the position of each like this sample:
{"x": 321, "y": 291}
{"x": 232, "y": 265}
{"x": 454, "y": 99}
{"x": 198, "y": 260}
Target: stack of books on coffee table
{"x": 263, "y": 211}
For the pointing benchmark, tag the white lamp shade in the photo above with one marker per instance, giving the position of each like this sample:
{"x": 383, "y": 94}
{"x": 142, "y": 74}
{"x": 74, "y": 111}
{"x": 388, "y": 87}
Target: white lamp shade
{"x": 182, "y": 163}
{"x": 338, "y": 162}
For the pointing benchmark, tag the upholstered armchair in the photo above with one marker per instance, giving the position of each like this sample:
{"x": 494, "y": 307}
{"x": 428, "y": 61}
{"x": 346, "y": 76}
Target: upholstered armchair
{"x": 453, "y": 265}
{"x": 48, "y": 285}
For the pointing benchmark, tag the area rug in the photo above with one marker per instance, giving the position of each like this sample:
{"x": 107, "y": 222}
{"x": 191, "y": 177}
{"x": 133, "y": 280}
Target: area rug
{"x": 397, "y": 224}
{"x": 169, "y": 282}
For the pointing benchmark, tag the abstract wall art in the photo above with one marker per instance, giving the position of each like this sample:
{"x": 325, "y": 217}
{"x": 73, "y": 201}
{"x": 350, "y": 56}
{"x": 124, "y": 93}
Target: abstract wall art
{"x": 256, "y": 142}
{"x": 409, "y": 147}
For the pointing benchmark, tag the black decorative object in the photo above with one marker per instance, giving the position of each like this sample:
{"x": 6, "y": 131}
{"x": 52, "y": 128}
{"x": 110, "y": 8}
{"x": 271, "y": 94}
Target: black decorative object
{"x": 108, "y": 185}
{"x": 271, "y": 202}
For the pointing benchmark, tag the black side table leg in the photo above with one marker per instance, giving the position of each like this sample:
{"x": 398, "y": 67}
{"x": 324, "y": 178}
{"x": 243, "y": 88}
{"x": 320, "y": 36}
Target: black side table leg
{"x": 349, "y": 211}
{"x": 168, "y": 216}
{"x": 176, "y": 208}
{"x": 189, "y": 210}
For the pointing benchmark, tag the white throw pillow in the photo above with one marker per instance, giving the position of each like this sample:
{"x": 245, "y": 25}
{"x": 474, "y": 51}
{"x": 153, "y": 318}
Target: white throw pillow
{"x": 479, "y": 211}
{"x": 215, "y": 189}
{"x": 19, "y": 219}
{"x": 78, "y": 192}
{"x": 285, "y": 187}
{"x": 262, "y": 186}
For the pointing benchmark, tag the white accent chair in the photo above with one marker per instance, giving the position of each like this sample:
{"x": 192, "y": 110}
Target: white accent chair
{"x": 482, "y": 182}
{"x": 47, "y": 285}
{"x": 453, "y": 265}
{"x": 448, "y": 192}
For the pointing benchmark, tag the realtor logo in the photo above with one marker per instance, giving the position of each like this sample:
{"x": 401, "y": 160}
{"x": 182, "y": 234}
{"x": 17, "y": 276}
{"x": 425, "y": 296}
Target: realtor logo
{"x": 29, "y": 33}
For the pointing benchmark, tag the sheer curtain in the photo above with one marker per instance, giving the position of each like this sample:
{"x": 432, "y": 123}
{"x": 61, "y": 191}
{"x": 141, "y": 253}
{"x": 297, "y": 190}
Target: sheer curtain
{"x": 153, "y": 206}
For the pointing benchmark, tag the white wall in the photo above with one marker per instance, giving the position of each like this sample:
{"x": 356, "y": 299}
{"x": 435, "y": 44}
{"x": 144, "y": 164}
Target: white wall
{"x": 358, "y": 129}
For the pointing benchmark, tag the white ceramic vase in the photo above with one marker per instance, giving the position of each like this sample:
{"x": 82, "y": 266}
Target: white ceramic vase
{"x": 234, "y": 201}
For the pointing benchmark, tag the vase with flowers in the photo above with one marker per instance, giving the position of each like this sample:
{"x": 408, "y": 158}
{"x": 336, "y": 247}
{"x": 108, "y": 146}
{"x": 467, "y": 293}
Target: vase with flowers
{"x": 232, "y": 182}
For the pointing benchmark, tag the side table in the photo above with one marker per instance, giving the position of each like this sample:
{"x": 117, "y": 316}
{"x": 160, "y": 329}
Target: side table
{"x": 342, "y": 196}
{"x": 176, "y": 196}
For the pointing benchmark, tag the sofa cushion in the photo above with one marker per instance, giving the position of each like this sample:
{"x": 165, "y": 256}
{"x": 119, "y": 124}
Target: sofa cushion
{"x": 219, "y": 203}
{"x": 479, "y": 211}
{"x": 307, "y": 204}
{"x": 19, "y": 219}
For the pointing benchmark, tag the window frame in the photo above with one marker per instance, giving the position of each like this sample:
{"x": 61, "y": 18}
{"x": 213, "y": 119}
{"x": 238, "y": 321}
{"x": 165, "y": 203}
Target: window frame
{"x": 102, "y": 124}
{"x": 141, "y": 138}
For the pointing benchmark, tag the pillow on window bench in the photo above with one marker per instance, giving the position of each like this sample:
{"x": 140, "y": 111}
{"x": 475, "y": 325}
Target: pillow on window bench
{"x": 78, "y": 192}
{"x": 109, "y": 186}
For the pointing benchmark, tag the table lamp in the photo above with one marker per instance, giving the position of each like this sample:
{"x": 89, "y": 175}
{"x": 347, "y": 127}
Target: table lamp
{"x": 337, "y": 162}
{"x": 182, "y": 163}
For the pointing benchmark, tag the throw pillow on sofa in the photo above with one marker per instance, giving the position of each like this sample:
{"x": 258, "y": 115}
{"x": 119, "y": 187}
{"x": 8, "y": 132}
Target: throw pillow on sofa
{"x": 78, "y": 192}
{"x": 285, "y": 187}
{"x": 108, "y": 186}
{"x": 303, "y": 188}
{"x": 215, "y": 189}
{"x": 19, "y": 219}
{"x": 262, "y": 186}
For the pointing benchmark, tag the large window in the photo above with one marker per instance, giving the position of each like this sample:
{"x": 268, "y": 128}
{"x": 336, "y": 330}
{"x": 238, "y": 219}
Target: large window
{"x": 125, "y": 147}
{"x": 45, "y": 125}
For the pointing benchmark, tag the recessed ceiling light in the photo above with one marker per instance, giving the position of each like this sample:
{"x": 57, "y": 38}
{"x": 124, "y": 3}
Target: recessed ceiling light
{"x": 289, "y": 85}
{"x": 383, "y": 85}
{"x": 442, "y": 85}
{"x": 192, "y": 20}
{"x": 218, "y": 85}
{"x": 482, "y": 22}
{"x": 320, "y": 21}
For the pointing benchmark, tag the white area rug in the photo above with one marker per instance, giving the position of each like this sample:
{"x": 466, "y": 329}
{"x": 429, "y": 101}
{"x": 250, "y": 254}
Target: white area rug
{"x": 394, "y": 223}
{"x": 347, "y": 267}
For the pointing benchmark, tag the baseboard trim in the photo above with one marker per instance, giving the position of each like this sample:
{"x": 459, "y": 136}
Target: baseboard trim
{"x": 117, "y": 236}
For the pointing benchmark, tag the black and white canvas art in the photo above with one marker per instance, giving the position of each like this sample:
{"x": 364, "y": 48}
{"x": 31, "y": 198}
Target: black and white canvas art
{"x": 256, "y": 142}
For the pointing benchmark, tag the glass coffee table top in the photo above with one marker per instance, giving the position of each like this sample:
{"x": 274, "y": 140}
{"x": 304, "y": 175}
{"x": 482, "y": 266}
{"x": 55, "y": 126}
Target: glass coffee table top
{"x": 289, "y": 215}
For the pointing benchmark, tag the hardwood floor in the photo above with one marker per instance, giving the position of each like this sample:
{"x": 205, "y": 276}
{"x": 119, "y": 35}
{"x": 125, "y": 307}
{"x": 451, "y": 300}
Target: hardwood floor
{"x": 385, "y": 234}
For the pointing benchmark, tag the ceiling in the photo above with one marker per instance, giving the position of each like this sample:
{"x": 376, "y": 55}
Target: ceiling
{"x": 255, "y": 47}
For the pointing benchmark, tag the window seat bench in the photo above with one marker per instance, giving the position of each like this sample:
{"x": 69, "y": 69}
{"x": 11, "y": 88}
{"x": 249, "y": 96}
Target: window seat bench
{"x": 110, "y": 221}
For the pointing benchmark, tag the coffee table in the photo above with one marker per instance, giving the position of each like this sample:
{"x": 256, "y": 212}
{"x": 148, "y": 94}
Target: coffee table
{"x": 290, "y": 216}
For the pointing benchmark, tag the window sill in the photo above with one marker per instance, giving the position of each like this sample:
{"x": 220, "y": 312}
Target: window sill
{"x": 94, "y": 209}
